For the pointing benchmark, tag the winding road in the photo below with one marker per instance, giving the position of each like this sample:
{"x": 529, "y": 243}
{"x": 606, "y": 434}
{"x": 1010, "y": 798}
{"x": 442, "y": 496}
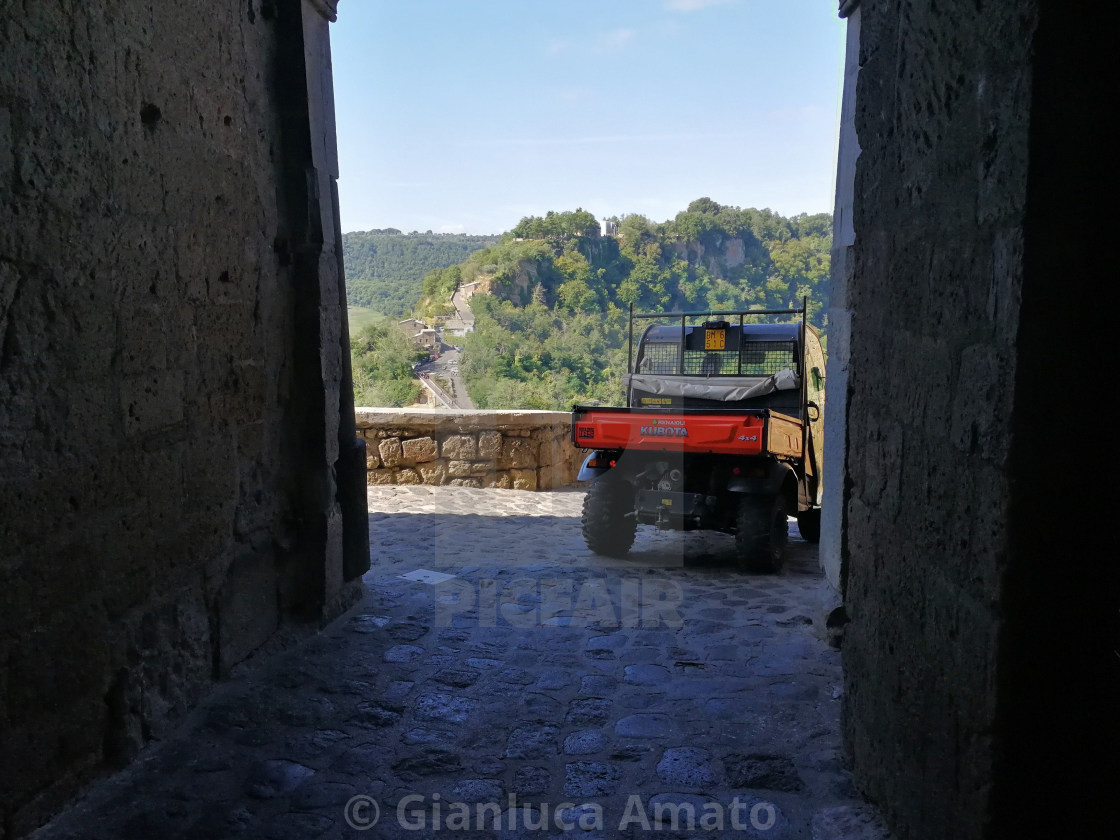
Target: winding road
{"x": 446, "y": 367}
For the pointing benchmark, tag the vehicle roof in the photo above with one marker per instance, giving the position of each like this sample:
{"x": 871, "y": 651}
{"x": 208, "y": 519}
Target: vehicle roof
{"x": 661, "y": 333}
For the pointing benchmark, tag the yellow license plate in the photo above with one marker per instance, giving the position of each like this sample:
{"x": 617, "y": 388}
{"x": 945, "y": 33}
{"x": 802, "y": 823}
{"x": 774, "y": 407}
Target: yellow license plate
{"x": 715, "y": 339}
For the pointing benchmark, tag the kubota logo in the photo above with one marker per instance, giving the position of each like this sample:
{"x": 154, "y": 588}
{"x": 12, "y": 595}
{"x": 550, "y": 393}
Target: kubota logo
{"x": 663, "y": 431}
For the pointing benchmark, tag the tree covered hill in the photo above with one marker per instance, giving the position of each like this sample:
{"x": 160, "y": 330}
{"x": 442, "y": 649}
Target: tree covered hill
{"x": 550, "y": 326}
{"x": 709, "y": 256}
{"x": 552, "y": 329}
{"x": 384, "y": 268}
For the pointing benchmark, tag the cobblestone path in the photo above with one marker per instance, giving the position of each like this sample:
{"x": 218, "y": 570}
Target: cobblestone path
{"x": 526, "y": 683}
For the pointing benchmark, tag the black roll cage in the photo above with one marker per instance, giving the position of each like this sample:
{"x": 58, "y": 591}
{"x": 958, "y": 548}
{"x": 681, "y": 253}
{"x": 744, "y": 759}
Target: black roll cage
{"x": 741, "y": 315}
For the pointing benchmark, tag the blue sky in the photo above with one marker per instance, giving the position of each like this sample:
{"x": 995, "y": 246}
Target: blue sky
{"x": 466, "y": 115}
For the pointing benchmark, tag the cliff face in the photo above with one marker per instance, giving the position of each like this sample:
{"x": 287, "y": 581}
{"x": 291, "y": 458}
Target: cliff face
{"x": 516, "y": 286}
{"x": 718, "y": 257}
{"x": 723, "y": 254}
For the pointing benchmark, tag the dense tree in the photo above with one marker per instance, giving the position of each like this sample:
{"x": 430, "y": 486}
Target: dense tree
{"x": 382, "y": 359}
{"x": 704, "y": 205}
{"x": 576, "y": 296}
{"x": 557, "y": 226}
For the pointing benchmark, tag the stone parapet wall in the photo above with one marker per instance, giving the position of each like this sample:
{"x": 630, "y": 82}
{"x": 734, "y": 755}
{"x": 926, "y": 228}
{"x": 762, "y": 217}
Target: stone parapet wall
{"x": 519, "y": 450}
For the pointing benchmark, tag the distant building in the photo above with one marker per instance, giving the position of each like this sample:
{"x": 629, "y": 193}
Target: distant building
{"x": 608, "y": 228}
{"x": 420, "y": 333}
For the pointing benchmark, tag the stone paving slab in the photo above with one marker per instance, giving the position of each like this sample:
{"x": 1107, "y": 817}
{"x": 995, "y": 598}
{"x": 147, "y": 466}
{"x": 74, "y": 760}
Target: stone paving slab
{"x": 557, "y": 692}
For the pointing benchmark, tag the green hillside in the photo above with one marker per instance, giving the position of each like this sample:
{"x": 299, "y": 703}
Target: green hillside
{"x": 384, "y": 268}
{"x": 552, "y": 330}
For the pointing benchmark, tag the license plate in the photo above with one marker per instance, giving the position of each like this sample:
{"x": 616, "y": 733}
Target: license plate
{"x": 715, "y": 339}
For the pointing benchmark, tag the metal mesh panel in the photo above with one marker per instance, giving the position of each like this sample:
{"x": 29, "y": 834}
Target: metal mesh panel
{"x": 762, "y": 358}
{"x": 711, "y": 362}
{"x": 660, "y": 358}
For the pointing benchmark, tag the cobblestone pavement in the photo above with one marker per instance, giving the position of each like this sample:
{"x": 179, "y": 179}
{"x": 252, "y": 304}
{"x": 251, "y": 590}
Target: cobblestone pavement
{"x": 539, "y": 684}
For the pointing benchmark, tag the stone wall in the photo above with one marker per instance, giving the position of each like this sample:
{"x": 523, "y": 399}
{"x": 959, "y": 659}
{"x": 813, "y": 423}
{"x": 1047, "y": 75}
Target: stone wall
{"x": 173, "y": 395}
{"x": 976, "y": 687}
{"x": 839, "y": 320}
{"x": 933, "y": 296}
{"x": 520, "y": 450}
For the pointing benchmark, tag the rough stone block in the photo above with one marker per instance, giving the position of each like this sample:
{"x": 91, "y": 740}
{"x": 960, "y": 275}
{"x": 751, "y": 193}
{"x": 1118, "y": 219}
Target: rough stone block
{"x": 458, "y": 447}
{"x": 519, "y": 453}
{"x": 490, "y": 445}
{"x": 573, "y": 458}
{"x": 524, "y": 479}
{"x": 391, "y": 452}
{"x": 459, "y": 468}
{"x": 465, "y": 482}
{"x": 433, "y": 473}
{"x": 408, "y": 476}
{"x": 548, "y": 451}
{"x": 547, "y": 478}
{"x": 502, "y": 480}
{"x": 373, "y": 459}
{"x": 380, "y": 477}
{"x": 491, "y": 480}
{"x": 419, "y": 450}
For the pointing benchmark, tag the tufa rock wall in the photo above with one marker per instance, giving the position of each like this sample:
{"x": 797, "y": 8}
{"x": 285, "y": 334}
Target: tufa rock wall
{"x": 982, "y": 661}
{"x": 941, "y": 114}
{"x": 519, "y": 450}
{"x": 172, "y": 382}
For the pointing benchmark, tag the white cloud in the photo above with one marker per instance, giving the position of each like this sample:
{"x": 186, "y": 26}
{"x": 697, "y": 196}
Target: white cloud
{"x": 691, "y": 5}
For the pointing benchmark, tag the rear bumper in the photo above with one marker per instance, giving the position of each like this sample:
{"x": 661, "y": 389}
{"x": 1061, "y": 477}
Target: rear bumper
{"x": 728, "y": 433}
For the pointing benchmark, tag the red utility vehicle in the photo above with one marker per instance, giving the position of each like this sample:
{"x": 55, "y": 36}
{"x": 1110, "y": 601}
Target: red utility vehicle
{"x": 722, "y": 430}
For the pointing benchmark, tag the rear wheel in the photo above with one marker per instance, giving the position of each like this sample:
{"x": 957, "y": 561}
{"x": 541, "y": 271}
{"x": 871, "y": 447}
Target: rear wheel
{"x": 609, "y": 524}
{"x": 809, "y": 524}
{"x": 761, "y": 533}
